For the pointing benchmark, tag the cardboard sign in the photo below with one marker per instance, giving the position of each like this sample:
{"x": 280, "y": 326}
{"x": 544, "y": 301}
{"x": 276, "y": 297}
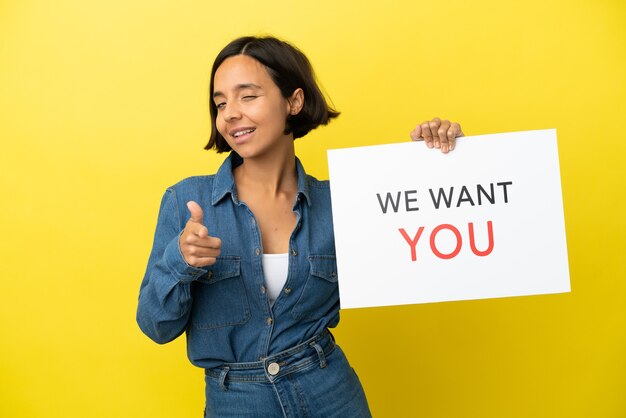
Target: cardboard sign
{"x": 413, "y": 225}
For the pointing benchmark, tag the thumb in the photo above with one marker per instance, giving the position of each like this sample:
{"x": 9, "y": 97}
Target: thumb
{"x": 196, "y": 211}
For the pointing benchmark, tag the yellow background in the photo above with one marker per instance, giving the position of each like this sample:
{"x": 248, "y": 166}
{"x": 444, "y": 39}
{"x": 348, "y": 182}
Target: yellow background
{"x": 103, "y": 105}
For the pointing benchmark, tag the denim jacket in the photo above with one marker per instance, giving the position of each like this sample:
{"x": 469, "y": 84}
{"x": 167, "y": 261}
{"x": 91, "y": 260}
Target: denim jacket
{"x": 224, "y": 308}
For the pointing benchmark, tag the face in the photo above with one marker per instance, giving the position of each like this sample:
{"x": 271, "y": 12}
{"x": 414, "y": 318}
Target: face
{"x": 251, "y": 112}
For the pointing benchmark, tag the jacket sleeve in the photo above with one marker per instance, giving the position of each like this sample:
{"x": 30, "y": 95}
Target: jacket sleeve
{"x": 165, "y": 294}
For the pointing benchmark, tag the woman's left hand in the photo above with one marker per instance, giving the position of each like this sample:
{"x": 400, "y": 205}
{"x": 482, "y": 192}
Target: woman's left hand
{"x": 437, "y": 133}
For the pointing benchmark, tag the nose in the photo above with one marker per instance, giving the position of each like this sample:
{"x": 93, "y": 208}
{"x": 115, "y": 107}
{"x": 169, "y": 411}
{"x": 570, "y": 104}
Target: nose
{"x": 231, "y": 112}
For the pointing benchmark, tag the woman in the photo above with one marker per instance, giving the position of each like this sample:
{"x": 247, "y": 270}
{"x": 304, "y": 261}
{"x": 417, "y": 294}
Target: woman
{"x": 244, "y": 262}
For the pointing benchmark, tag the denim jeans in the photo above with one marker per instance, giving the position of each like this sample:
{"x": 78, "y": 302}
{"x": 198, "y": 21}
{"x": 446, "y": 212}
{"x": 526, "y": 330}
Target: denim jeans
{"x": 312, "y": 379}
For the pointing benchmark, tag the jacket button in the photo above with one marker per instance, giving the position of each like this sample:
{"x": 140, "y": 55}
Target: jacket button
{"x": 257, "y": 251}
{"x": 294, "y": 252}
{"x": 287, "y": 290}
{"x": 263, "y": 289}
{"x": 270, "y": 321}
{"x": 273, "y": 369}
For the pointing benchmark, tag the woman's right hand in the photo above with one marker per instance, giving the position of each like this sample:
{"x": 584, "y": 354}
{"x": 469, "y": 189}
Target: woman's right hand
{"x": 199, "y": 249}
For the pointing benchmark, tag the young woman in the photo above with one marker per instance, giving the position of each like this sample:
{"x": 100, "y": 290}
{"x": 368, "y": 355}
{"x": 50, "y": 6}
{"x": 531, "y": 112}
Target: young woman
{"x": 243, "y": 261}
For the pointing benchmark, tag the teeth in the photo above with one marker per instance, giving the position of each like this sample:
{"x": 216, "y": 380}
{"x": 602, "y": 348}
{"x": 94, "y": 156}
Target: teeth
{"x": 238, "y": 134}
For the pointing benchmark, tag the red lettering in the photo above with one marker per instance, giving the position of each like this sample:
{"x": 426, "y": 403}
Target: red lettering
{"x": 473, "y": 242}
{"x": 412, "y": 242}
{"x": 459, "y": 241}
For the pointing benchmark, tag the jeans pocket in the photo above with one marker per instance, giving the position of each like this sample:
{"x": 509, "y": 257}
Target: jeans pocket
{"x": 219, "y": 297}
{"x": 320, "y": 293}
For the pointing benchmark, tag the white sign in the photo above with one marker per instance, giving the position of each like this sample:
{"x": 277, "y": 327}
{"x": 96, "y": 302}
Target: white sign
{"x": 413, "y": 225}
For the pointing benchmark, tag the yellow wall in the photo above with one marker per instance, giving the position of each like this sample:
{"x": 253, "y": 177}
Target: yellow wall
{"x": 103, "y": 105}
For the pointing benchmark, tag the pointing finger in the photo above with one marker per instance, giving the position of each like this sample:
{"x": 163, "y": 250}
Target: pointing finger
{"x": 203, "y": 242}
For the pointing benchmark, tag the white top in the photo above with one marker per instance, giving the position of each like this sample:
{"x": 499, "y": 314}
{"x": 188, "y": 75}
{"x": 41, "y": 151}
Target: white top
{"x": 275, "y": 269}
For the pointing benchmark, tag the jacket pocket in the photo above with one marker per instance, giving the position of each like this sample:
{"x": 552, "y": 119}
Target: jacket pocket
{"x": 219, "y": 297}
{"x": 320, "y": 294}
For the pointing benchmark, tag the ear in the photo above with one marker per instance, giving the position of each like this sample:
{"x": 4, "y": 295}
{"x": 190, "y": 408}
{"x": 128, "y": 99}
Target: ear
{"x": 296, "y": 101}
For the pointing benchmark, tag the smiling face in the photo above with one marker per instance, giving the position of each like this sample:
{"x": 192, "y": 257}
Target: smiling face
{"x": 251, "y": 112}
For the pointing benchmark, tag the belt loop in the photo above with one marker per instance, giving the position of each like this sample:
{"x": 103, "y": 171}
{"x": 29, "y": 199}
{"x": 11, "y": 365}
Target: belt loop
{"x": 320, "y": 353}
{"x": 223, "y": 378}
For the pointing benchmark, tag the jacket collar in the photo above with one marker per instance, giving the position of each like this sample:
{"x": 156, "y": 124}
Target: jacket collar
{"x": 224, "y": 182}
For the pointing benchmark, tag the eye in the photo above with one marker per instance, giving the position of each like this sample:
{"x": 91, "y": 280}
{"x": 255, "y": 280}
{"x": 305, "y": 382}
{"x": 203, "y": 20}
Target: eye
{"x": 220, "y": 105}
{"x": 248, "y": 98}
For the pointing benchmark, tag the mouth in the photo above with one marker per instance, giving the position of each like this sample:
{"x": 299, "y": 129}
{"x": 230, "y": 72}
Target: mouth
{"x": 242, "y": 133}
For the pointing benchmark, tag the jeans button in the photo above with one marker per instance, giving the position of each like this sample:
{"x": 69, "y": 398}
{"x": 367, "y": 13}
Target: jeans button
{"x": 273, "y": 369}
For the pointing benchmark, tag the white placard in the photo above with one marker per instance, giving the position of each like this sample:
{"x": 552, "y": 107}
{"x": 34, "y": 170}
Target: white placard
{"x": 413, "y": 225}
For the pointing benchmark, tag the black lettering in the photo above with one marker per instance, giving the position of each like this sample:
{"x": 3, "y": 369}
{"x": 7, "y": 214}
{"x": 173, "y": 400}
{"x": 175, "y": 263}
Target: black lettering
{"x": 462, "y": 199}
{"x": 504, "y": 184}
{"x": 437, "y": 201}
{"x": 407, "y": 200}
{"x": 490, "y": 197}
{"x": 388, "y": 200}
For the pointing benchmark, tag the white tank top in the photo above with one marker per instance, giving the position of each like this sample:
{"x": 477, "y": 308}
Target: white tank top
{"x": 275, "y": 269}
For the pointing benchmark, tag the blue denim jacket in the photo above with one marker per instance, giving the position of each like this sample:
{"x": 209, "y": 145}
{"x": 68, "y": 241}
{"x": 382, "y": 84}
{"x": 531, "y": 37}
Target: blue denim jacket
{"x": 224, "y": 308}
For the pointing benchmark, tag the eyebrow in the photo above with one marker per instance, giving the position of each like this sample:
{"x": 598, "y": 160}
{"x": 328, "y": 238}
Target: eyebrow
{"x": 239, "y": 87}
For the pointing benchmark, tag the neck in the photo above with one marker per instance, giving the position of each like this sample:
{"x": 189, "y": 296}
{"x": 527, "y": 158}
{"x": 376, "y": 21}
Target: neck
{"x": 274, "y": 173}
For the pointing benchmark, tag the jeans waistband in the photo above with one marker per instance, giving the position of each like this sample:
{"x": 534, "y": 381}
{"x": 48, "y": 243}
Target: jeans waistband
{"x": 313, "y": 350}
